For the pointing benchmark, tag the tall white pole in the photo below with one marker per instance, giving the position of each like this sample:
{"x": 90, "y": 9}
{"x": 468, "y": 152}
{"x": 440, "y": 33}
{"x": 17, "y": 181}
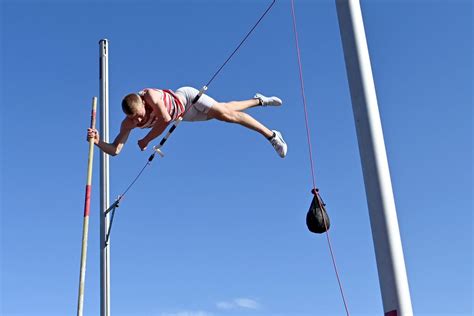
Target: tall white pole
{"x": 383, "y": 215}
{"x": 104, "y": 181}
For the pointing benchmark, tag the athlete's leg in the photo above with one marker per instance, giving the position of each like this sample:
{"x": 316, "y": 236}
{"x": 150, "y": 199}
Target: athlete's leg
{"x": 258, "y": 99}
{"x": 223, "y": 112}
{"x": 242, "y": 105}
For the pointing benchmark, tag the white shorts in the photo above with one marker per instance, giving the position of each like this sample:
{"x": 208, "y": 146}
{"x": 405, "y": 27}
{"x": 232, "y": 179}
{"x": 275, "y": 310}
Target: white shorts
{"x": 199, "y": 110}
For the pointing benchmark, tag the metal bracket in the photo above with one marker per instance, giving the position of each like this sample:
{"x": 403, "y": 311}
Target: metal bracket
{"x": 112, "y": 209}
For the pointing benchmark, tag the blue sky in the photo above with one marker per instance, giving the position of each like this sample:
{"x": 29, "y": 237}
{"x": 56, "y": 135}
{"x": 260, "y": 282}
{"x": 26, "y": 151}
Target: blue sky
{"x": 217, "y": 227}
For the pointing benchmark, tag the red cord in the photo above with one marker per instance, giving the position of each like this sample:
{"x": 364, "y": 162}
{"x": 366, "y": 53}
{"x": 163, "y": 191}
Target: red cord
{"x": 311, "y": 153}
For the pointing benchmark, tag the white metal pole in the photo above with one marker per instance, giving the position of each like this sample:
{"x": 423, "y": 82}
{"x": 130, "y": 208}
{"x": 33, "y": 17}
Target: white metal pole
{"x": 383, "y": 215}
{"x": 104, "y": 181}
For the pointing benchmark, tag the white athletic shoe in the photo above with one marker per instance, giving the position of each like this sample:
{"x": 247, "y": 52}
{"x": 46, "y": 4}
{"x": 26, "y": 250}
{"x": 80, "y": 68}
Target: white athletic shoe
{"x": 264, "y": 101}
{"x": 279, "y": 144}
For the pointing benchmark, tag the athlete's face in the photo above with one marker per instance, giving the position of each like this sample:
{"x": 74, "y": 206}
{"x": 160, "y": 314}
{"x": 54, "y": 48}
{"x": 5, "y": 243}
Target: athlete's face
{"x": 139, "y": 115}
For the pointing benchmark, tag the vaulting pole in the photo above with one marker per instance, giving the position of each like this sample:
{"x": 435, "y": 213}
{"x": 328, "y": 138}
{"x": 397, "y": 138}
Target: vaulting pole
{"x": 378, "y": 187}
{"x": 104, "y": 181}
{"x": 85, "y": 226}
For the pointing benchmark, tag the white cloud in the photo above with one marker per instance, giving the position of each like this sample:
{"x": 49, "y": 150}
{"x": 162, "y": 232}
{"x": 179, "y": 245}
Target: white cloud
{"x": 246, "y": 303}
{"x": 239, "y": 303}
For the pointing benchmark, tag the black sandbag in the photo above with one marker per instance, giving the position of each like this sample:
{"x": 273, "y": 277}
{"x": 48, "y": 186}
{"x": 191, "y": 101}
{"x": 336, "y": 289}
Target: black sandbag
{"x": 317, "y": 218}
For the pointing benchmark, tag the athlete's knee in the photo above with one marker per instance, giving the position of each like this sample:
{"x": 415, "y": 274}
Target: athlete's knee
{"x": 224, "y": 113}
{"x": 230, "y": 116}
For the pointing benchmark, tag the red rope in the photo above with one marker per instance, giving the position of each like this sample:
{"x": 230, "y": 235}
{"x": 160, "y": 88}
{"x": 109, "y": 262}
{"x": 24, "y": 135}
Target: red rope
{"x": 311, "y": 152}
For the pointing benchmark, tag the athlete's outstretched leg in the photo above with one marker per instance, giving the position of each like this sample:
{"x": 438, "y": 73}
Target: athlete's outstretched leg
{"x": 222, "y": 112}
{"x": 242, "y": 105}
{"x": 258, "y": 99}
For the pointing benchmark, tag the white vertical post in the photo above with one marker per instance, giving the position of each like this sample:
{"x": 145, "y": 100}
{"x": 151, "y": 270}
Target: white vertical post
{"x": 104, "y": 181}
{"x": 383, "y": 217}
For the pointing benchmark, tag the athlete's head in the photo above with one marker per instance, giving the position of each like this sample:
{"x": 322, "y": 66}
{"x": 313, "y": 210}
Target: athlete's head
{"x": 134, "y": 107}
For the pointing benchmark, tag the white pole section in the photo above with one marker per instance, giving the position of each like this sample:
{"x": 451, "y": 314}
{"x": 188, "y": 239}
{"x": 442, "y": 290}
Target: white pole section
{"x": 104, "y": 181}
{"x": 383, "y": 215}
